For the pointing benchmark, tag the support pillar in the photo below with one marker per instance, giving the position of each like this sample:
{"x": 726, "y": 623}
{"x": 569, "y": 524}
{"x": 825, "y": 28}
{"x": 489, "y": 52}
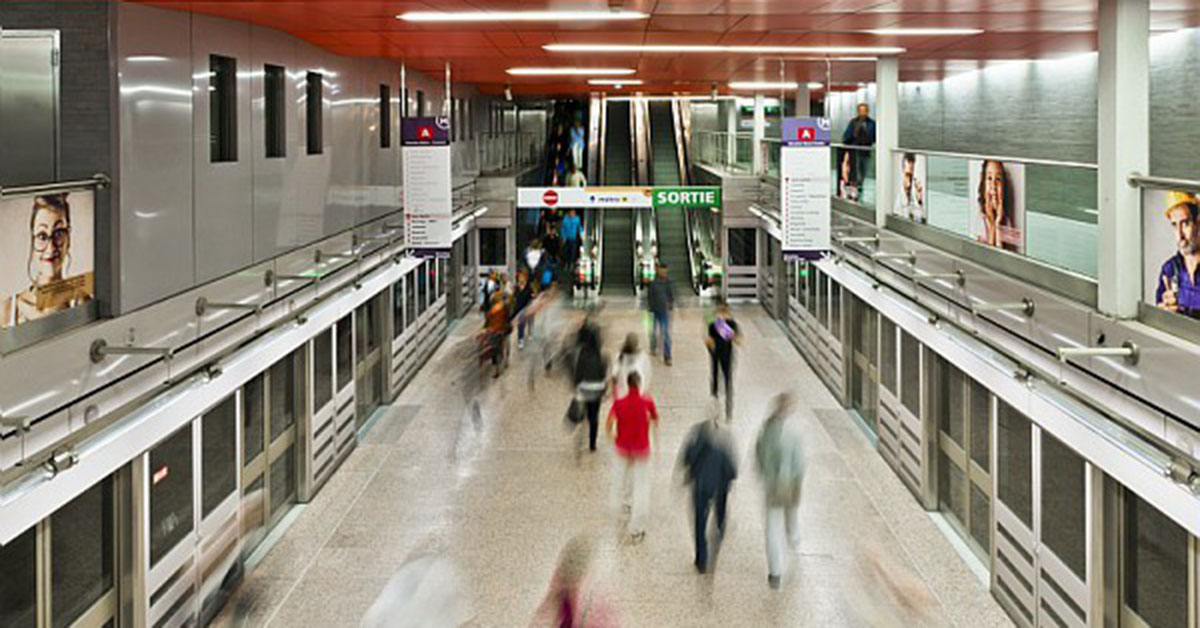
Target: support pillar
{"x": 887, "y": 134}
{"x": 803, "y": 98}
{"x": 758, "y": 164}
{"x": 1123, "y": 148}
{"x": 731, "y": 127}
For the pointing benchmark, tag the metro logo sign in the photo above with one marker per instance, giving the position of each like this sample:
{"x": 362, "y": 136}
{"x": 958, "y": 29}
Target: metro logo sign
{"x": 550, "y": 198}
{"x": 806, "y": 132}
{"x": 425, "y": 133}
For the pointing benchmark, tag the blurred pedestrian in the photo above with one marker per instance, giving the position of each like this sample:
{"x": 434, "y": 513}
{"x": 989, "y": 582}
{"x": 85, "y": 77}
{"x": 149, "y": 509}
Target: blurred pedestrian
{"x": 496, "y": 327}
{"x": 534, "y": 257}
{"x": 631, "y": 360}
{"x": 522, "y": 312}
{"x": 425, "y": 593}
{"x": 489, "y": 287}
{"x": 710, "y": 467}
{"x": 779, "y": 458}
{"x": 571, "y": 601}
{"x": 591, "y": 381}
{"x": 629, "y": 423}
{"x": 722, "y": 336}
{"x": 571, "y": 228}
{"x": 661, "y": 300}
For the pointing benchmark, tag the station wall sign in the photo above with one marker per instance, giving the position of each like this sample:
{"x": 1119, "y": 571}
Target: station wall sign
{"x": 804, "y": 181}
{"x": 619, "y": 197}
{"x": 428, "y": 201}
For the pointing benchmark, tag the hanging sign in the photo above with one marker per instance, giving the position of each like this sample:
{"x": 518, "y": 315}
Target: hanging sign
{"x": 804, "y": 181}
{"x": 696, "y": 196}
{"x": 428, "y": 202}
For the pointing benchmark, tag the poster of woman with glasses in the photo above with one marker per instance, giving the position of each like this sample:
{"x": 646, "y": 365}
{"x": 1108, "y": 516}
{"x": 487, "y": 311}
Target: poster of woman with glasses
{"x": 46, "y": 255}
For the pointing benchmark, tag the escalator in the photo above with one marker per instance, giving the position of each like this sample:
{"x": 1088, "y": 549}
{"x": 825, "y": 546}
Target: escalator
{"x": 616, "y": 276}
{"x": 673, "y": 239}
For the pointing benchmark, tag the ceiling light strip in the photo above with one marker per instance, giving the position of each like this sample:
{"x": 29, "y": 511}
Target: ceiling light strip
{"x": 715, "y": 49}
{"x": 569, "y": 71}
{"x": 520, "y": 16}
{"x": 763, "y": 85}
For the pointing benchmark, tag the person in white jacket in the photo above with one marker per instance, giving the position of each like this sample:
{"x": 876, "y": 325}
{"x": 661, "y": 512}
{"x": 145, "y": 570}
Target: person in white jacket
{"x": 631, "y": 360}
{"x": 779, "y": 458}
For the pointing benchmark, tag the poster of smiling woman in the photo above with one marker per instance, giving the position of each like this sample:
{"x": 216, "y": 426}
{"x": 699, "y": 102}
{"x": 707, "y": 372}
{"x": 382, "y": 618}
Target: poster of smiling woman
{"x": 1171, "y": 250}
{"x": 46, "y": 255}
{"x": 997, "y": 192}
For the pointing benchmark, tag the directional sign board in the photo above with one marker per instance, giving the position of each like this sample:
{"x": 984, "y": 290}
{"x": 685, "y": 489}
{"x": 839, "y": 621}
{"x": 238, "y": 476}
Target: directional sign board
{"x": 804, "y": 181}
{"x": 428, "y": 202}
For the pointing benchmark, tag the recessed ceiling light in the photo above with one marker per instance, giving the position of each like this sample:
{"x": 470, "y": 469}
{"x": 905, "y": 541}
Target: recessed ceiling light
{"x": 815, "y": 85}
{"x": 923, "y": 31}
{"x": 712, "y": 49}
{"x": 763, "y": 85}
{"x": 617, "y": 82}
{"x": 567, "y": 71}
{"x": 519, "y": 16}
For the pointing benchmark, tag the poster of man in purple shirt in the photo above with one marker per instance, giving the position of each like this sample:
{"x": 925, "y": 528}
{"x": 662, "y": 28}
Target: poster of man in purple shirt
{"x": 1176, "y": 289}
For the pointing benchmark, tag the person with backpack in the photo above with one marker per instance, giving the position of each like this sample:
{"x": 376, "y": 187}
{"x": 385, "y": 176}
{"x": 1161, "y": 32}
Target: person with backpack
{"x": 779, "y": 458}
{"x": 710, "y": 468}
{"x": 722, "y": 336}
{"x": 629, "y": 423}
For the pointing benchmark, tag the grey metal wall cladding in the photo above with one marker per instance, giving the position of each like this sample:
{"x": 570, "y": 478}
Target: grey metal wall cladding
{"x": 186, "y": 220}
{"x": 1174, "y": 115}
{"x": 1034, "y": 109}
{"x": 85, "y": 102}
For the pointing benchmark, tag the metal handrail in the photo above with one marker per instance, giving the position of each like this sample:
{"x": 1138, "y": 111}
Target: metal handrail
{"x": 1022, "y": 160}
{"x": 1138, "y": 180}
{"x": 98, "y": 180}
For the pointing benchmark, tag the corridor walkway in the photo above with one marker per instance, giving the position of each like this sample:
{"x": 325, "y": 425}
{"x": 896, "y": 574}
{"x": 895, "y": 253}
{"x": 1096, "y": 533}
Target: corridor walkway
{"x": 501, "y": 502}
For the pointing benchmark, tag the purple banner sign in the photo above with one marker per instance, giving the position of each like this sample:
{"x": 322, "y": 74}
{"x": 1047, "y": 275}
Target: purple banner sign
{"x": 805, "y": 132}
{"x": 428, "y": 131}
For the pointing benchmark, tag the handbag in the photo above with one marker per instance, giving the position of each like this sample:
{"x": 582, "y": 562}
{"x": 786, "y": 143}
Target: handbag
{"x": 574, "y": 412}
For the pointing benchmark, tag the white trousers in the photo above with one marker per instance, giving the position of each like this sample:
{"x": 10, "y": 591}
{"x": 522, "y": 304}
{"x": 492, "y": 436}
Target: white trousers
{"x": 781, "y": 537}
{"x": 634, "y": 475}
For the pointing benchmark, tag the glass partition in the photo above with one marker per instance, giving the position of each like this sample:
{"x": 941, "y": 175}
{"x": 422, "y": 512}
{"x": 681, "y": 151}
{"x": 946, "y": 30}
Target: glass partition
{"x": 218, "y": 458}
{"x": 1044, "y": 211}
{"x": 82, "y": 564}
{"x": 1154, "y": 567}
{"x": 171, "y": 497}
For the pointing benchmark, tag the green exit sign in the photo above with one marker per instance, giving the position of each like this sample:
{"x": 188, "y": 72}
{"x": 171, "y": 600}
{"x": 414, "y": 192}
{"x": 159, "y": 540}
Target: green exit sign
{"x": 690, "y": 196}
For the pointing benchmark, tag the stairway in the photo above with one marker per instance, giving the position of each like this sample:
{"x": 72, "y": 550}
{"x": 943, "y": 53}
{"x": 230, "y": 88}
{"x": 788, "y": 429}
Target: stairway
{"x": 618, "y": 252}
{"x": 618, "y": 152}
{"x": 672, "y": 228}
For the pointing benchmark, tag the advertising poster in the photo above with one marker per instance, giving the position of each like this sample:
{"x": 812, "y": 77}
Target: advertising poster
{"x": 1171, "y": 250}
{"x": 428, "y": 200}
{"x": 996, "y": 196}
{"x": 47, "y": 261}
{"x": 910, "y": 187}
{"x": 804, "y": 187}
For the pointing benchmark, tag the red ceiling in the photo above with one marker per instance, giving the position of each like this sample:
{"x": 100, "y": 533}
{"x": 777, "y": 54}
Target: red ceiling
{"x": 480, "y": 53}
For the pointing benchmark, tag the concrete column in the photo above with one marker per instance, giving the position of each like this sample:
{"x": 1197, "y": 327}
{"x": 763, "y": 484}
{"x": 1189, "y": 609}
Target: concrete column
{"x": 446, "y": 95}
{"x": 887, "y": 134}
{"x": 731, "y": 127}
{"x": 802, "y": 100}
{"x": 758, "y": 165}
{"x": 1123, "y": 143}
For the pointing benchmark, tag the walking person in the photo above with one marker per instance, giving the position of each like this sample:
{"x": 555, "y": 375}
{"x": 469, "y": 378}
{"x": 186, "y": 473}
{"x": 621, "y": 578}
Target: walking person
{"x": 779, "y": 458}
{"x": 522, "y": 308}
{"x": 631, "y": 360}
{"x": 661, "y": 300}
{"x": 590, "y": 379}
{"x": 497, "y": 327}
{"x": 710, "y": 468}
{"x": 629, "y": 424}
{"x": 722, "y": 336}
{"x": 571, "y": 228}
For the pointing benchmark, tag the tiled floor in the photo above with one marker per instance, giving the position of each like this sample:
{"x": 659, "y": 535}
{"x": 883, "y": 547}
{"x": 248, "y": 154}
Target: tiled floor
{"x": 501, "y": 499}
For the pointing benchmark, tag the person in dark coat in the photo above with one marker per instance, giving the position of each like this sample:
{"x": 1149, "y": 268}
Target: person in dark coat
{"x": 709, "y": 466}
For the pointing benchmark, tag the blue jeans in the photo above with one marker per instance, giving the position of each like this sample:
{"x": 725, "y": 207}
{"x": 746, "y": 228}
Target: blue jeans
{"x": 524, "y": 322}
{"x": 662, "y": 324}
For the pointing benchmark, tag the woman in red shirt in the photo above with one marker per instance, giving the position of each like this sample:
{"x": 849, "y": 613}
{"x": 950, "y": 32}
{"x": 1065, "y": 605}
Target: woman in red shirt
{"x": 629, "y": 424}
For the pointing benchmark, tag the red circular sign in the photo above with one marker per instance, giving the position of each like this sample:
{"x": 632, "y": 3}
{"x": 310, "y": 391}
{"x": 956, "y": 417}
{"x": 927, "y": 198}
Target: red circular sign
{"x": 550, "y": 198}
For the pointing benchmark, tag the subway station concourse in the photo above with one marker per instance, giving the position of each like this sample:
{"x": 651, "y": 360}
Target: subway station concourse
{"x": 600, "y": 313}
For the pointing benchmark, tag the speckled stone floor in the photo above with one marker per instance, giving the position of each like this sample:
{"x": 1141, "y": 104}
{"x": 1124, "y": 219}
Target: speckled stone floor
{"x": 500, "y": 500}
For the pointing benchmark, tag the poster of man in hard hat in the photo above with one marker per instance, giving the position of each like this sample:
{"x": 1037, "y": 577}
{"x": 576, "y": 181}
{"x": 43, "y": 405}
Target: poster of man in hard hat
{"x": 1172, "y": 248}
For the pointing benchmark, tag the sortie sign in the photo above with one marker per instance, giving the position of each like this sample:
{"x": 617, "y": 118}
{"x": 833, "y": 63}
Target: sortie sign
{"x": 693, "y": 196}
